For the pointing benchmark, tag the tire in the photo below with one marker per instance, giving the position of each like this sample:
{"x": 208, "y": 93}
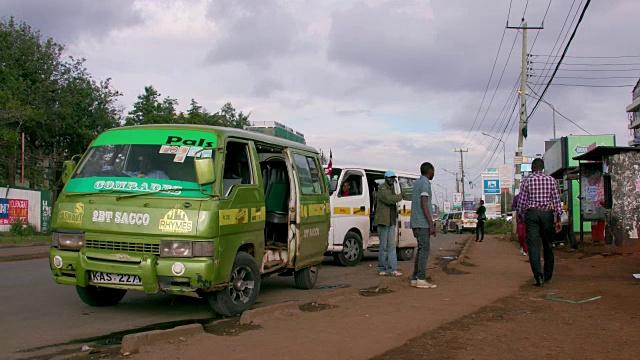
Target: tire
{"x": 405, "y": 254}
{"x": 473, "y": 232}
{"x": 306, "y": 278}
{"x": 351, "y": 254}
{"x": 241, "y": 291}
{"x": 100, "y": 296}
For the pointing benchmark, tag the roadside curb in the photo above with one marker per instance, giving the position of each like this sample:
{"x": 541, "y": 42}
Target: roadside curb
{"x": 252, "y": 316}
{"x": 134, "y": 342}
{"x": 463, "y": 254}
{"x": 24, "y": 256}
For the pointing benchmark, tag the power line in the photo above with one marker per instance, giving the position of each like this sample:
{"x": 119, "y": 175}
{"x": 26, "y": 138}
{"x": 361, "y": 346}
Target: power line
{"x": 591, "y": 70}
{"x": 593, "y": 57}
{"x": 566, "y": 48}
{"x": 585, "y": 64}
{"x": 559, "y": 113}
{"x": 593, "y": 86}
{"x": 486, "y": 89}
{"x": 588, "y": 78}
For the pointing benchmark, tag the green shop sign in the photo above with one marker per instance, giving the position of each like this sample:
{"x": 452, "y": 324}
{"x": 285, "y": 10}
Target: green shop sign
{"x": 578, "y": 145}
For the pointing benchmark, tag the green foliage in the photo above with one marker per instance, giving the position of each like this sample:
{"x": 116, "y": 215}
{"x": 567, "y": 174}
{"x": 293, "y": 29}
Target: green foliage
{"x": 150, "y": 110}
{"x": 497, "y": 226}
{"x": 50, "y": 98}
{"x": 18, "y": 228}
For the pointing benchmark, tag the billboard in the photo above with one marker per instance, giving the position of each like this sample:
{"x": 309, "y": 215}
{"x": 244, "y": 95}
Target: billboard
{"x": 457, "y": 200}
{"x": 506, "y": 176}
{"x": 578, "y": 145}
{"x": 12, "y": 209}
{"x": 491, "y": 186}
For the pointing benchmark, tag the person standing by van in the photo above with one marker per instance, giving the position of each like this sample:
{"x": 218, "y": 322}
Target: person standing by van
{"x": 482, "y": 217}
{"x": 422, "y": 224}
{"x": 385, "y": 218}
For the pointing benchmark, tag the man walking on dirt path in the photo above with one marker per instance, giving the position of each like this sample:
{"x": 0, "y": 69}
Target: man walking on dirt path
{"x": 385, "y": 219}
{"x": 540, "y": 200}
{"x": 422, "y": 224}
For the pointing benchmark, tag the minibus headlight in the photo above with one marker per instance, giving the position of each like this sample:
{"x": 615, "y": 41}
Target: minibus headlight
{"x": 204, "y": 248}
{"x": 67, "y": 240}
{"x": 170, "y": 248}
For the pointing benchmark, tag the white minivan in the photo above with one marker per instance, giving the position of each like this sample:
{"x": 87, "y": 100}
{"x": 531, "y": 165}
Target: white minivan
{"x": 352, "y": 229}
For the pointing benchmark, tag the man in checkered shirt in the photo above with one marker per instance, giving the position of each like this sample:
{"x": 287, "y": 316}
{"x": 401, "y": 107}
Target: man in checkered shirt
{"x": 540, "y": 202}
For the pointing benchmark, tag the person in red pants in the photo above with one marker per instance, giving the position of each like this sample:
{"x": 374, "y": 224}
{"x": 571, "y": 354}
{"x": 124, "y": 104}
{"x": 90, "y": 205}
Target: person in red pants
{"x": 521, "y": 228}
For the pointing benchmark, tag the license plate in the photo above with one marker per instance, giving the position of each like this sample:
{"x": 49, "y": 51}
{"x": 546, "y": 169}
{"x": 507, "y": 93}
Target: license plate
{"x": 107, "y": 278}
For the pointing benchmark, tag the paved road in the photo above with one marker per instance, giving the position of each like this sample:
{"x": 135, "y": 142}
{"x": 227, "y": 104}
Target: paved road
{"x": 37, "y": 312}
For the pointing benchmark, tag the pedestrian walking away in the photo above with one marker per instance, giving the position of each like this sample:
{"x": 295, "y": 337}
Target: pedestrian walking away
{"x": 422, "y": 224}
{"x": 385, "y": 219}
{"x": 482, "y": 217}
{"x": 540, "y": 201}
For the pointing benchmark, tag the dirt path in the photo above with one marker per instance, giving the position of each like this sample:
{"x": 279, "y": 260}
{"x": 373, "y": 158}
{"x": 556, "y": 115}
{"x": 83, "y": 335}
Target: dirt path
{"x": 360, "y": 327}
{"x": 527, "y": 326}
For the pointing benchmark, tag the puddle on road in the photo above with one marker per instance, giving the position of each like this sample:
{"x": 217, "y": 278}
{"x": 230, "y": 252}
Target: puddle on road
{"x": 231, "y": 327}
{"x": 375, "y": 291}
{"x": 315, "y": 307}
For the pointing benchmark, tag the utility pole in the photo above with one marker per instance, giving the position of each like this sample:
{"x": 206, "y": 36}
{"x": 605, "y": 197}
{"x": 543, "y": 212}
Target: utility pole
{"x": 523, "y": 96}
{"x": 462, "y": 168}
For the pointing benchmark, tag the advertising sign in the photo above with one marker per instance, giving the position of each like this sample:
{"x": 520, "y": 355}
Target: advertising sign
{"x": 592, "y": 188}
{"x": 457, "y": 200}
{"x": 12, "y": 209}
{"x": 447, "y": 206}
{"x": 578, "y": 145}
{"x": 467, "y": 205}
{"x": 491, "y": 186}
{"x": 506, "y": 176}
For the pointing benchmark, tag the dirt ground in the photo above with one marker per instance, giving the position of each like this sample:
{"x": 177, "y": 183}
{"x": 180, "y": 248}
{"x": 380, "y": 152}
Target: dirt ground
{"x": 486, "y": 309}
{"x": 527, "y": 325}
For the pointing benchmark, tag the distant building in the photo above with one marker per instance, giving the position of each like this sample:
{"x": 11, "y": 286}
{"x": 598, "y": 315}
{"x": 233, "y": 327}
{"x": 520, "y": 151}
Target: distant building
{"x": 634, "y": 116}
{"x": 277, "y": 129}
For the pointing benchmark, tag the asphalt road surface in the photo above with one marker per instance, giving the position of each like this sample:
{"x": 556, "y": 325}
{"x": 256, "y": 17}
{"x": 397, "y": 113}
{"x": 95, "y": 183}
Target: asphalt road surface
{"x": 36, "y": 312}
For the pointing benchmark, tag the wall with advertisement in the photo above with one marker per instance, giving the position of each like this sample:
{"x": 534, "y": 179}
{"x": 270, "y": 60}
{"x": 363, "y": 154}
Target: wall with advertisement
{"x": 30, "y": 206}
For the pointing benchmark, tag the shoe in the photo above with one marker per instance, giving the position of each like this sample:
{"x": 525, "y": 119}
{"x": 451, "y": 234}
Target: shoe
{"x": 383, "y": 273}
{"x": 423, "y": 284}
{"x": 547, "y": 279}
{"x": 395, "y": 273}
{"x": 414, "y": 283}
{"x": 524, "y": 254}
{"x": 539, "y": 280}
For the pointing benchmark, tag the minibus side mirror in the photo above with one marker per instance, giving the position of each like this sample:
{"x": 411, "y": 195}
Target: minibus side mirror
{"x": 67, "y": 170}
{"x": 205, "y": 173}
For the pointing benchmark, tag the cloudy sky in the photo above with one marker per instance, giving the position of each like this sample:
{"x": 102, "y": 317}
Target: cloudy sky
{"x": 382, "y": 83}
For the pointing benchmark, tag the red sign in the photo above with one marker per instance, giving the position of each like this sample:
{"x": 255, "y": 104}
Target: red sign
{"x": 18, "y": 209}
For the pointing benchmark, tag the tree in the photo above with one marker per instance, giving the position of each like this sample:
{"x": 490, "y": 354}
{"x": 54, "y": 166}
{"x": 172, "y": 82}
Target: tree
{"x": 231, "y": 118}
{"x": 52, "y": 99}
{"x": 150, "y": 110}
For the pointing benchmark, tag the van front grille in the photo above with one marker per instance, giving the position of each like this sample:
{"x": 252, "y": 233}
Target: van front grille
{"x": 123, "y": 246}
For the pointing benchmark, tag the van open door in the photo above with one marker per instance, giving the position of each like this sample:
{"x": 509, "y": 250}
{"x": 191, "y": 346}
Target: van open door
{"x": 309, "y": 224}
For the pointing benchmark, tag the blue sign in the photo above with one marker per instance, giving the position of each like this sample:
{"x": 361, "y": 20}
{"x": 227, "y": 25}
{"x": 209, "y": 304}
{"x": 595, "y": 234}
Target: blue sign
{"x": 4, "y": 208}
{"x": 491, "y": 186}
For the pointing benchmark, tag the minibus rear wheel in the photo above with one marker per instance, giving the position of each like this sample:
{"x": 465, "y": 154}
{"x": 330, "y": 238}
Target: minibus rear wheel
{"x": 243, "y": 288}
{"x": 405, "y": 254}
{"x": 100, "y": 296}
{"x": 306, "y": 278}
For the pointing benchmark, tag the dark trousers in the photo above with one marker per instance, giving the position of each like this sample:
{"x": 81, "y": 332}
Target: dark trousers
{"x": 480, "y": 229}
{"x": 423, "y": 236}
{"x": 539, "y": 235}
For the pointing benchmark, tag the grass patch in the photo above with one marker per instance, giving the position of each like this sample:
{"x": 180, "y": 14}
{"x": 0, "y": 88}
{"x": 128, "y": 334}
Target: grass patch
{"x": 7, "y": 239}
{"x": 497, "y": 226}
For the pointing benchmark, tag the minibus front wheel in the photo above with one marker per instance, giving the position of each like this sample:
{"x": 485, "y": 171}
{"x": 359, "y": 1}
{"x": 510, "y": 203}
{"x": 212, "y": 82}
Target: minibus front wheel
{"x": 241, "y": 291}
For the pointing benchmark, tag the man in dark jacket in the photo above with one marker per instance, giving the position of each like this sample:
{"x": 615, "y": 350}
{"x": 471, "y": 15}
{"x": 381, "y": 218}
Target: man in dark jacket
{"x": 385, "y": 218}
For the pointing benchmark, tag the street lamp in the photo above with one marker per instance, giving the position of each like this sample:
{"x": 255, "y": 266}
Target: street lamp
{"x": 504, "y": 151}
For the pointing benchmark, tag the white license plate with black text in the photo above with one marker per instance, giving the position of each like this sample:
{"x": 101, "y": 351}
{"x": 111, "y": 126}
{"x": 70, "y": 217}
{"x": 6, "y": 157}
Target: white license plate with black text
{"x": 107, "y": 278}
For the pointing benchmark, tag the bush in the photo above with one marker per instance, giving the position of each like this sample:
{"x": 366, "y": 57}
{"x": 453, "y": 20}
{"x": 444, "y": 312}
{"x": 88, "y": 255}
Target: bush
{"x": 18, "y": 228}
{"x": 497, "y": 226}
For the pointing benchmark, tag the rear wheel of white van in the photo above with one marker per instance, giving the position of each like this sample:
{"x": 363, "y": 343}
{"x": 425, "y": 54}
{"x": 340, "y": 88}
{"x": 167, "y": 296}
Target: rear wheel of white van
{"x": 100, "y": 296}
{"x": 306, "y": 278}
{"x": 405, "y": 254}
{"x": 242, "y": 290}
{"x": 351, "y": 253}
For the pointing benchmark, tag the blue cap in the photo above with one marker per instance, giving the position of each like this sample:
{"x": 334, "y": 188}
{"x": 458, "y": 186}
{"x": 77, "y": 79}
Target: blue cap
{"x": 389, "y": 173}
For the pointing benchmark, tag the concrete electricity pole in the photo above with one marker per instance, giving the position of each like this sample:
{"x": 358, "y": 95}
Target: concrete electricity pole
{"x": 523, "y": 97}
{"x": 462, "y": 168}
